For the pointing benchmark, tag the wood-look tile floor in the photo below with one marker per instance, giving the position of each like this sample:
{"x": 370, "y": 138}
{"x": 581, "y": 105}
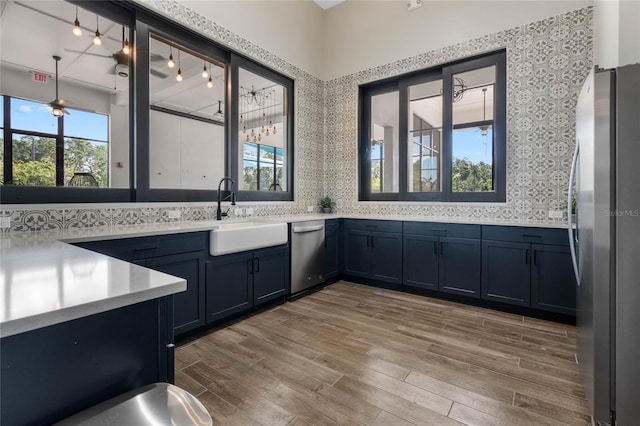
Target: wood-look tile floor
{"x": 353, "y": 354}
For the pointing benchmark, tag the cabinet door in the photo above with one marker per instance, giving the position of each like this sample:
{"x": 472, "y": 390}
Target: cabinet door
{"x": 459, "y": 271}
{"x": 386, "y": 257}
{"x": 420, "y": 261}
{"x": 189, "y": 305}
{"x": 270, "y": 274}
{"x": 553, "y": 283}
{"x": 229, "y": 285}
{"x": 331, "y": 245}
{"x": 356, "y": 253}
{"x": 506, "y": 272}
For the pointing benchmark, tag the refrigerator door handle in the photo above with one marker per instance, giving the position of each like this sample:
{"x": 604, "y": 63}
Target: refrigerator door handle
{"x": 572, "y": 245}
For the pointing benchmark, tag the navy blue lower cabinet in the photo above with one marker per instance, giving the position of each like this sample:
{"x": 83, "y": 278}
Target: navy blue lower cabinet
{"x": 459, "y": 266}
{"x": 229, "y": 281}
{"x": 356, "y": 252}
{"x": 553, "y": 283}
{"x": 53, "y": 372}
{"x": 386, "y": 256}
{"x": 506, "y": 273}
{"x": 331, "y": 248}
{"x": 270, "y": 274}
{"x": 420, "y": 261}
{"x": 189, "y": 305}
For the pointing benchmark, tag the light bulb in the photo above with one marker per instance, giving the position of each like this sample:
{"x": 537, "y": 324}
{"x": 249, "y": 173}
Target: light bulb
{"x": 241, "y": 119}
{"x": 247, "y": 139}
{"x": 97, "y": 40}
{"x": 210, "y": 83}
{"x": 77, "y": 31}
{"x": 126, "y": 49}
{"x": 205, "y": 73}
{"x": 171, "y": 64}
{"x": 275, "y": 130}
{"x": 252, "y": 133}
{"x": 264, "y": 117}
{"x": 57, "y": 112}
{"x": 267, "y": 133}
{"x": 244, "y": 130}
{"x": 259, "y": 137}
{"x": 179, "y": 76}
{"x": 255, "y": 139}
{"x": 270, "y": 124}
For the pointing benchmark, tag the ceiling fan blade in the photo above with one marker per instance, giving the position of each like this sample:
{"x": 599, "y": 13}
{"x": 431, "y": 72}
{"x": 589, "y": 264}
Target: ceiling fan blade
{"x": 157, "y": 73}
{"x": 88, "y": 53}
{"x": 154, "y": 57}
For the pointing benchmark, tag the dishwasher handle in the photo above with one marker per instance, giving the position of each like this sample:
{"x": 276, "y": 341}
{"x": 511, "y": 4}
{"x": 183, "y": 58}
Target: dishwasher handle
{"x": 303, "y": 229}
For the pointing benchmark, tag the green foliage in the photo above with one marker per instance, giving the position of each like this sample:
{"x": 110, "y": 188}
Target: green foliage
{"x": 376, "y": 176}
{"x": 327, "y": 202}
{"x": 34, "y": 161}
{"x": 471, "y": 177}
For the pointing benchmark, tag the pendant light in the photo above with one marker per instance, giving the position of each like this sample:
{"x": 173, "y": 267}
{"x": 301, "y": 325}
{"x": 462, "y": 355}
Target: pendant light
{"x": 179, "y": 76}
{"x": 125, "y": 43}
{"x": 210, "y": 82}
{"x": 170, "y": 63}
{"x": 77, "y": 31}
{"x": 57, "y": 105}
{"x": 205, "y": 73}
{"x": 97, "y": 40}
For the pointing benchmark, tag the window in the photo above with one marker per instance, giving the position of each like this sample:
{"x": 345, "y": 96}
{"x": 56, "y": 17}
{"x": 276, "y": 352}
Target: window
{"x": 51, "y": 151}
{"x": 449, "y": 124}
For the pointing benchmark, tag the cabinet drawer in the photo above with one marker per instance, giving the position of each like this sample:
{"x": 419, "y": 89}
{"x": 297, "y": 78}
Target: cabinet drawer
{"x": 435, "y": 229}
{"x": 525, "y": 234}
{"x": 331, "y": 225}
{"x": 182, "y": 243}
{"x": 373, "y": 225}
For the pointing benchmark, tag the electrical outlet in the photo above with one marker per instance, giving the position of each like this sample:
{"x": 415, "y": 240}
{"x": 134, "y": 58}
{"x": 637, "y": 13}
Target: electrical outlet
{"x": 174, "y": 214}
{"x": 5, "y": 222}
{"x": 239, "y": 211}
{"x": 556, "y": 214}
{"x": 249, "y": 211}
{"x": 309, "y": 209}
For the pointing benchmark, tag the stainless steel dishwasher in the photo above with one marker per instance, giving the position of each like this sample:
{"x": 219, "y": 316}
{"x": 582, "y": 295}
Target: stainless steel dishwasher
{"x": 307, "y": 254}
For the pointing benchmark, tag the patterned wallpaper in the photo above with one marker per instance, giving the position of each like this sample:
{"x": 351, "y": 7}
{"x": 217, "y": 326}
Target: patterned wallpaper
{"x": 547, "y": 62}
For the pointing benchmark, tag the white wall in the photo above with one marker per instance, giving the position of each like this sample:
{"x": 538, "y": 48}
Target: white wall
{"x": 359, "y": 35}
{"x": 616, "y": 33}
{"x": 291, "y": 30}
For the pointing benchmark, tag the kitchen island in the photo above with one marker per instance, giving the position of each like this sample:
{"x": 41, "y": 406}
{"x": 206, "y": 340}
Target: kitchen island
{"x": 78, "y": 328}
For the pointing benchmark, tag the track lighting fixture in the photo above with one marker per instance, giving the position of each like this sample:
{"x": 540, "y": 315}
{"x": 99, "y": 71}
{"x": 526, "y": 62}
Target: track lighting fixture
{"x": 97, "y": 40}
{"x": 171, "y": 64}
{"x": 77, "y": 31}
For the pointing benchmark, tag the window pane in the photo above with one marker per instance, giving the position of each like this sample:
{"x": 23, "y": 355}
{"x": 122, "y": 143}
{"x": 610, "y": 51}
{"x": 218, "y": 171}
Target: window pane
{"x": 263, "y": 115}
{"x": 472, "y": 167}
{"x": 32, "y": 116}
{"x": 85, "y": 163}
{"x": 384, "y": 142}
{"x": 473, "y": 95}
{"x": 86, "y": 125}
{"x": 34, "y": 160}
{"x": 187, "y": 146}
{"x": 425, "y": 134}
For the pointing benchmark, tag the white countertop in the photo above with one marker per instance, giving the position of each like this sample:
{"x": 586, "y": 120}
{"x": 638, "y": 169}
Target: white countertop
{"x": 50, "y": 282}
{"x": 46, "y": 281}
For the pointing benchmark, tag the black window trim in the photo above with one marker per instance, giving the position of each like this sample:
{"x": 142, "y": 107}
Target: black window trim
{"x": 141, "y": 21}
{"x": 401, "y": 83}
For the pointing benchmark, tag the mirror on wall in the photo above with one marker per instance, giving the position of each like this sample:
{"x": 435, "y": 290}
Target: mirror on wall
{"x": 187, "y": 116}
{"x": 64, "y": 80}
{"x": 262, "y": 133}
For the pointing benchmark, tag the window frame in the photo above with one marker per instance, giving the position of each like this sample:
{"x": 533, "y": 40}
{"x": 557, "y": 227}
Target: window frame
{"x": 140, "y": 22}
{"x": 402, "y": 84}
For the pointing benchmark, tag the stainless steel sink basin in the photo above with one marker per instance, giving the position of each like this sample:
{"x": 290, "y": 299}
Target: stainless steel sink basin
{"x": 242, "y": 236}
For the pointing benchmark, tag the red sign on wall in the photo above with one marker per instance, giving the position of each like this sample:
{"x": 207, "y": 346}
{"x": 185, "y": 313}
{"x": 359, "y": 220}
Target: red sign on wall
{"x": 39, "y": 77}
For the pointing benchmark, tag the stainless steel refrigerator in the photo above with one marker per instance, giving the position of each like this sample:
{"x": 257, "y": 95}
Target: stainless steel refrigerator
{"x": 606, "y": 242}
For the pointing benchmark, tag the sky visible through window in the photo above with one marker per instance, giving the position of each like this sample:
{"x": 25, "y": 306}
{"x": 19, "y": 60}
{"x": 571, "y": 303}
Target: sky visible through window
{"x": 35, "y": 116}
{"x": 472, "y": 145}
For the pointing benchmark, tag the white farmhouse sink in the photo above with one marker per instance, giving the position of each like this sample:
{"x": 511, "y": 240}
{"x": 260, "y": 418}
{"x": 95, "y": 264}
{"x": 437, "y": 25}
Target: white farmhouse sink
{"x": 243, "y": 236}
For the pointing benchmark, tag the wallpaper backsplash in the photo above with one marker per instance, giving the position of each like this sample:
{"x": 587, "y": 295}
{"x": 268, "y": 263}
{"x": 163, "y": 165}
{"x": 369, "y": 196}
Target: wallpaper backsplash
{"x": 547, "y": 61}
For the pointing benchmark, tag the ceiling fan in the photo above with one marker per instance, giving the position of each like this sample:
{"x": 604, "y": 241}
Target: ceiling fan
{"x": 57, "y": 105}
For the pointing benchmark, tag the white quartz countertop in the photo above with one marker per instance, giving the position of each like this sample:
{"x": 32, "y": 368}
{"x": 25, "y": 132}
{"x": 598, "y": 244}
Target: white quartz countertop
{"x": 49, "y": 282}
{"x": 46, "y": 281}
